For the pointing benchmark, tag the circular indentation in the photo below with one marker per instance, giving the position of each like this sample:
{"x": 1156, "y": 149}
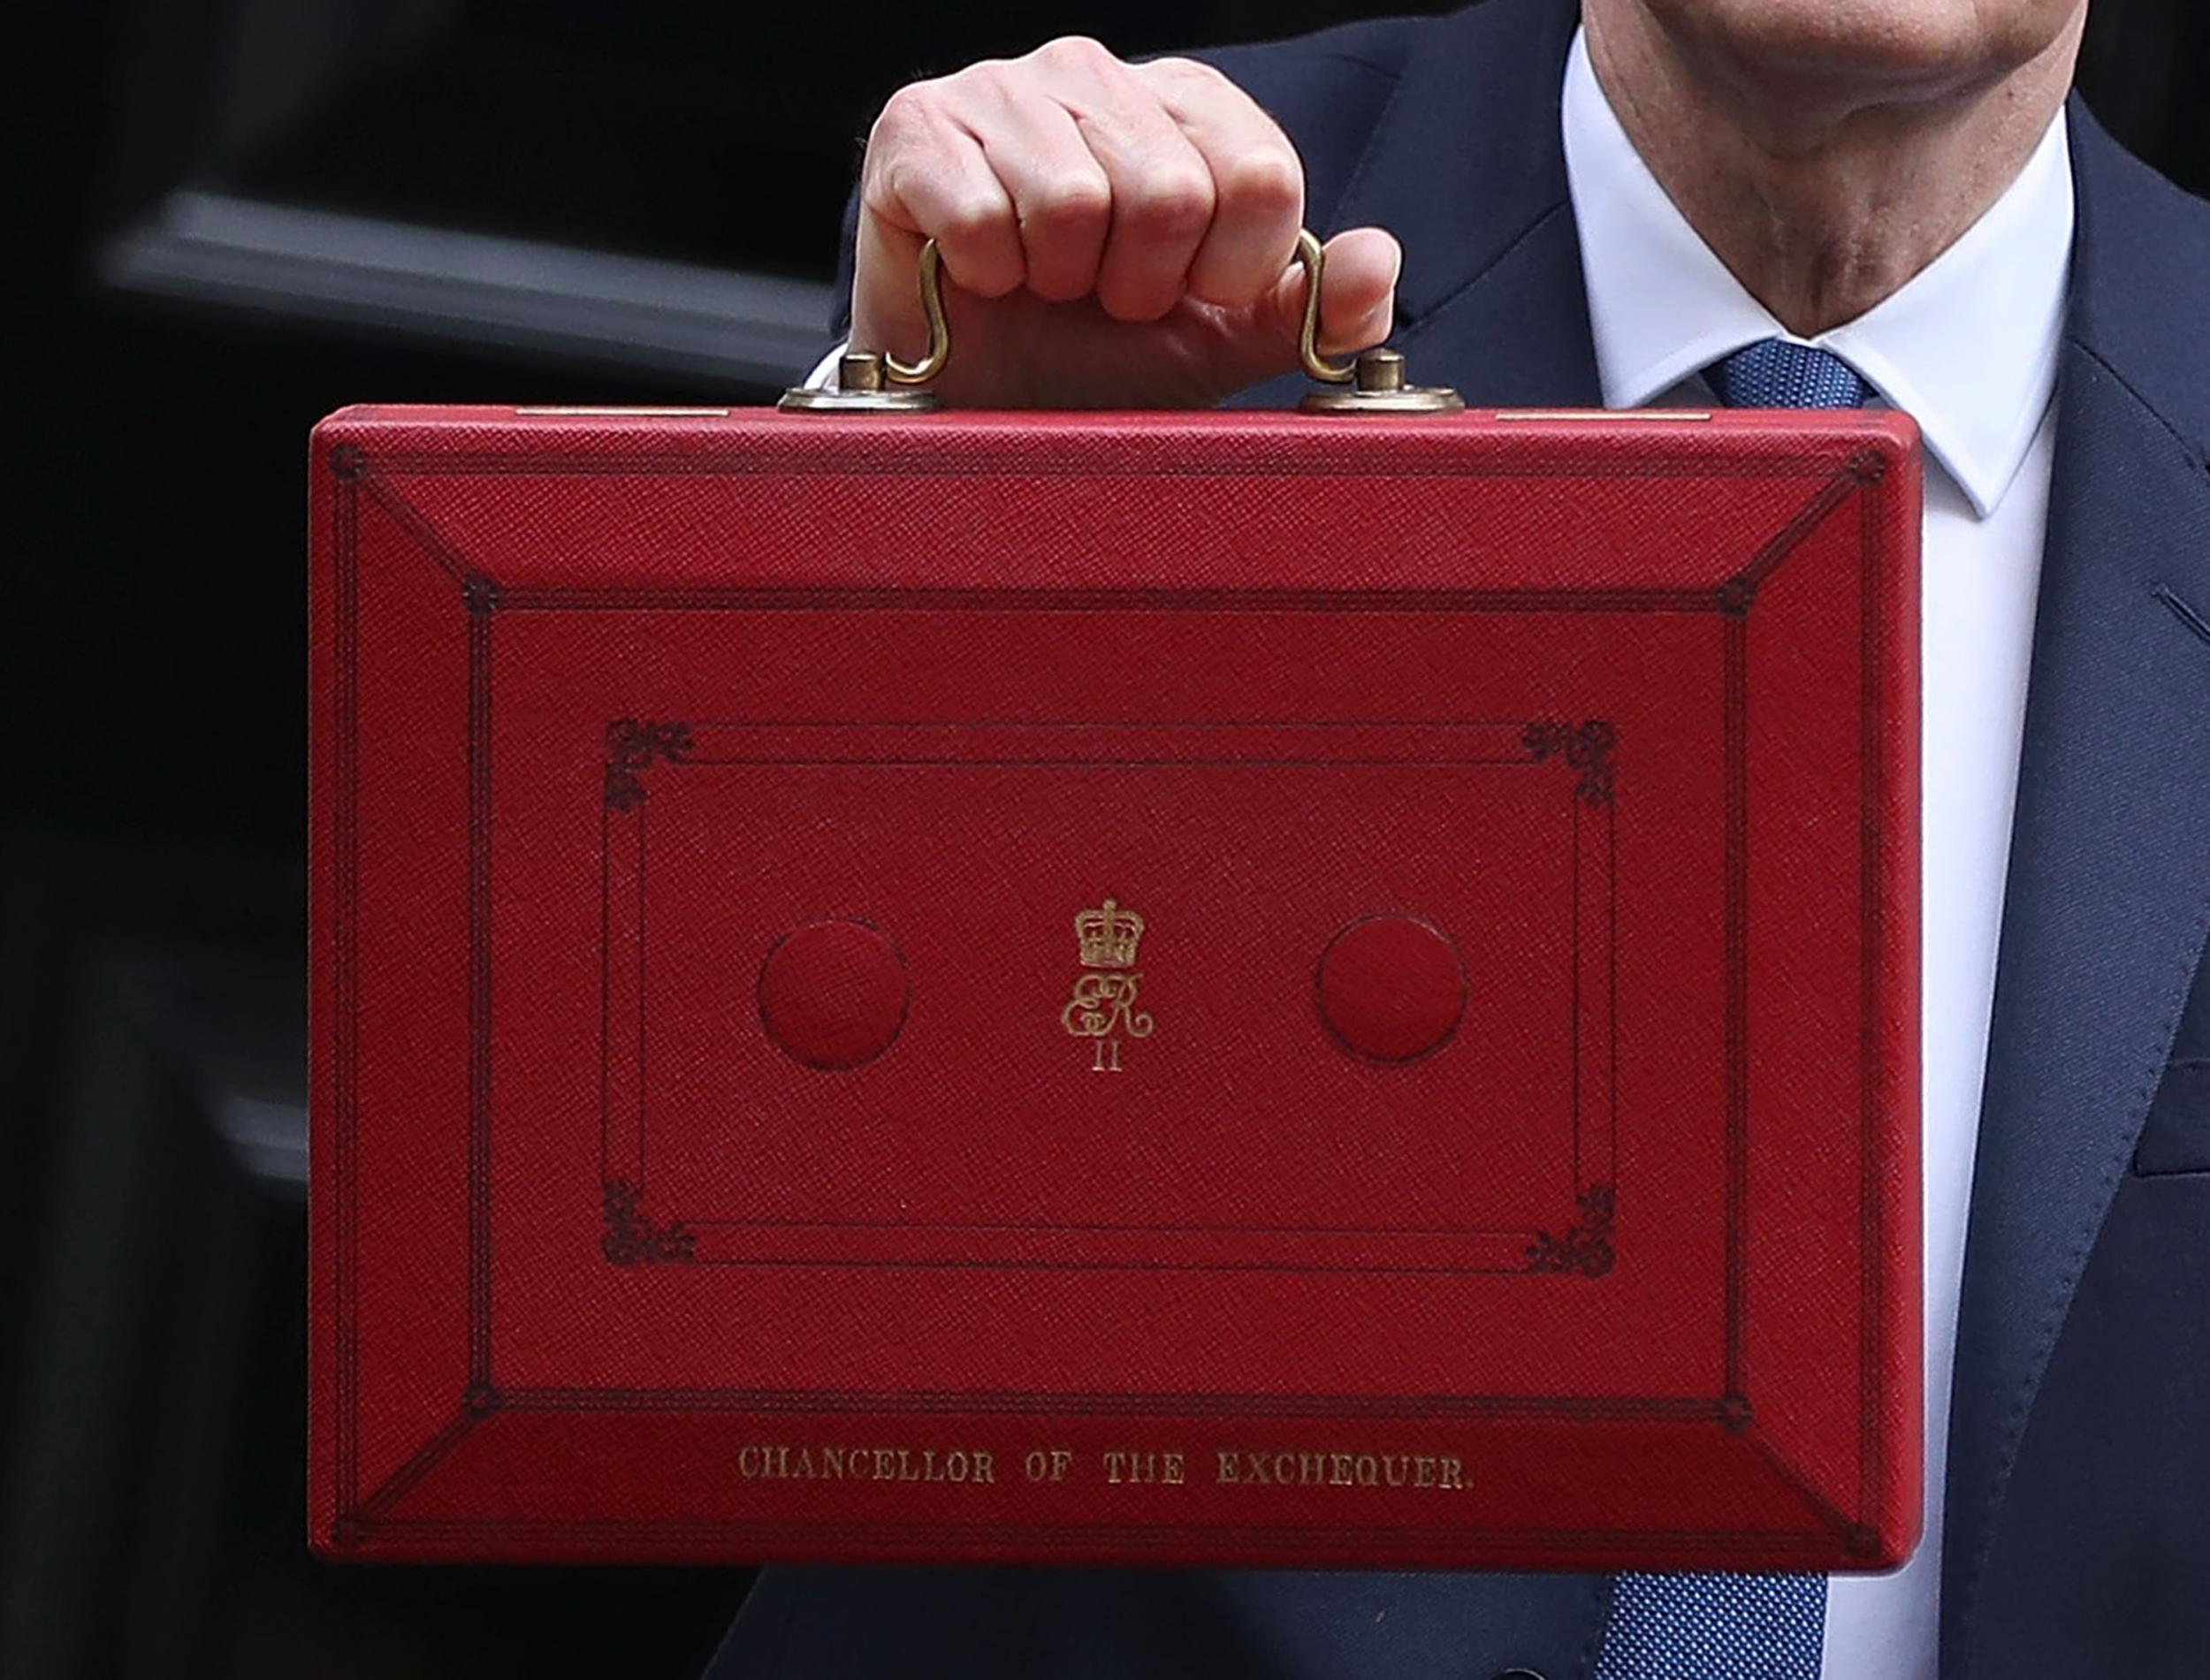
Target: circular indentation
{"x": 1391, "y": 988}
{"x": 833, "y": 994}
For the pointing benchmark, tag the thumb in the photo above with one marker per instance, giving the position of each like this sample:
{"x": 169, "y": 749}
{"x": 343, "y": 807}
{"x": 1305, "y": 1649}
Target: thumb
{"x": 886, "y": 312}
{"x": 1357, "y": 291}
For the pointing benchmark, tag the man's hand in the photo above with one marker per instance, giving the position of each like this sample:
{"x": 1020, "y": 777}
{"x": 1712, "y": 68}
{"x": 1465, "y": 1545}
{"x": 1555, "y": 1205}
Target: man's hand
{"x": 1115, "y": 235}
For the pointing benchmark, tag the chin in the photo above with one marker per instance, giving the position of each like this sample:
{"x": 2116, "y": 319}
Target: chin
{"x": 1934, "y": 46}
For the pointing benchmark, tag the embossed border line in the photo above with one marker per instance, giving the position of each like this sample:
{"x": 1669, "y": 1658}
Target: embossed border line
{"x": 356, "y": 1521}
{"x": 639, "y": 1228}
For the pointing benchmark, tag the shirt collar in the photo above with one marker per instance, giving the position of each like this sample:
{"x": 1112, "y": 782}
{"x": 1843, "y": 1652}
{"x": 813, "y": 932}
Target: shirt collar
{"x": 1968, "y": 346}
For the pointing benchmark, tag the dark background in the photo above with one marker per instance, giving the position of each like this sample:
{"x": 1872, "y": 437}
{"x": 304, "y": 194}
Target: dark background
{"x": 223, "y": 218}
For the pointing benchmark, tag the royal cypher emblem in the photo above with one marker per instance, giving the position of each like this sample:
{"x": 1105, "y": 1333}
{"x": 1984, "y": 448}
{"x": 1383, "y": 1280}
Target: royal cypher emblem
{"x": 1103, "y": 1007}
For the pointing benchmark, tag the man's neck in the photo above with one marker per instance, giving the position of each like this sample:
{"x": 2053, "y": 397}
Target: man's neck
{"x": 1821, "y": 198}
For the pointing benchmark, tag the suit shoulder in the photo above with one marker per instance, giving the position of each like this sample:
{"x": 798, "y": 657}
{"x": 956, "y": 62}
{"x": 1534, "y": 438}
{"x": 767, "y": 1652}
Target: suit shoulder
{"x": 2149, "y": 198}
{"x": 1326, "y": 59}
{"x": 1328, "y": 90}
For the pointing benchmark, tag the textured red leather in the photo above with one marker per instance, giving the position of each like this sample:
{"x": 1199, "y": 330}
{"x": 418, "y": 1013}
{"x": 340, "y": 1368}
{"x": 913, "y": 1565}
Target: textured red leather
{"x": 1196, "y": 988}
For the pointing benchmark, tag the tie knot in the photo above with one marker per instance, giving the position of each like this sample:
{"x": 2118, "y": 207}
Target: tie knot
{"x": 1776, "y": 374}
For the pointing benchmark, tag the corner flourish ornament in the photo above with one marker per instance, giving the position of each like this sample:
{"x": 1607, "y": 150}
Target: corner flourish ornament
{"x": 633, "y": 746}
{"x": 1584, "y": 1247}
{"x": 631, "y": 1237}
{"x": 1586, "y": 747}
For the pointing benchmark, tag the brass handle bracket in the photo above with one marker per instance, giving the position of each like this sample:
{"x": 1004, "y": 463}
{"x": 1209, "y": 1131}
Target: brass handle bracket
{"x": 1373, "y": 382}
{"x": 869, "y": 380}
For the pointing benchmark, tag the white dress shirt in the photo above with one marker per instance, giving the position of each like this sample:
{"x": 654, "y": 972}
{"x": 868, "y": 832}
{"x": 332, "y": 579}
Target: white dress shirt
{"x": 1969, "y": 348}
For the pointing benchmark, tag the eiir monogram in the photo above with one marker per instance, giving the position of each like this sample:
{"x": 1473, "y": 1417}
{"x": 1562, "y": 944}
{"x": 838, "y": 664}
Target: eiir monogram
{"x": 1103, "y": 1007}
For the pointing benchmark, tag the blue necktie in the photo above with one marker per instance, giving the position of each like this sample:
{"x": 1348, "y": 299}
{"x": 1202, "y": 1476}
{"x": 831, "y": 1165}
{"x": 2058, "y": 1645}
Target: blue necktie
{"x": 1714, "y": 1627}
{"x": 1776, "y": 374}
{"x": 1734, "y": 1627}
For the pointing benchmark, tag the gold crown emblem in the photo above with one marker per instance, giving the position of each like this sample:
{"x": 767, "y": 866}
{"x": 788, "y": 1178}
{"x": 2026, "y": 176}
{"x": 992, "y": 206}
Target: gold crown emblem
{"x": 1109, "y": 936}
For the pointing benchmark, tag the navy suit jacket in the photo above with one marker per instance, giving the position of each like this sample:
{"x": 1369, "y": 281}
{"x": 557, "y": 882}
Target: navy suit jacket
{"x": 2077, "y": 1541}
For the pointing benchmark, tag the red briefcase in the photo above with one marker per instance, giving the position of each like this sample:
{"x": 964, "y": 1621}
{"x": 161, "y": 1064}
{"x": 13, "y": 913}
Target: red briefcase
{"x": 1199, "y": 988}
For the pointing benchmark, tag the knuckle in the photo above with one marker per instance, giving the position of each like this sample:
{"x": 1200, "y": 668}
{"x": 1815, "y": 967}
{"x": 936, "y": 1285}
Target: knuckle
{"x": 1265, "y": 183}
{"x": 988, "y": 75}
{"x": 1191, "y": 74}
{"x": 877, "y": 188}
{"x": 884, "y": 174}
{"x": 969, "y": 224}
{"x": 1172, "y": 202}
{"x": 1199, "y": 86}
{"x": 1073, "y": 52}
{"x": 1073, "y": 203}
{"x": 904, "y": 115}
{"x": 1184, "y": 68}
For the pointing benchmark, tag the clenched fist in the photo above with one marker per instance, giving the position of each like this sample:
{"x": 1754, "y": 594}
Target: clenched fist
{"x": 1115, "y": 235}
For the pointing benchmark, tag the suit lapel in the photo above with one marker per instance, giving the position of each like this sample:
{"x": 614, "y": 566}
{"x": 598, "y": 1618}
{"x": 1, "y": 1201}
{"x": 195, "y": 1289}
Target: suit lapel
{"x": 2108, "y": 893}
